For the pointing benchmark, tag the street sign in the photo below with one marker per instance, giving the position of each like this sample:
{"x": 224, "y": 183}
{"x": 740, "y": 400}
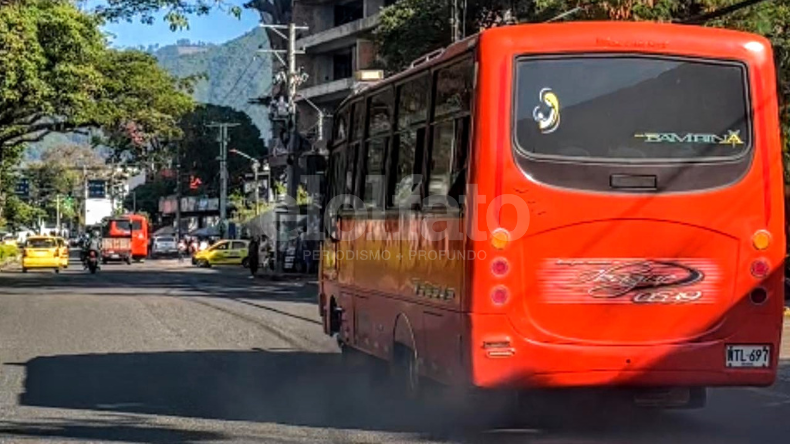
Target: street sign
{"x": 97, "y": 189}
{"x": 23, "y": 188}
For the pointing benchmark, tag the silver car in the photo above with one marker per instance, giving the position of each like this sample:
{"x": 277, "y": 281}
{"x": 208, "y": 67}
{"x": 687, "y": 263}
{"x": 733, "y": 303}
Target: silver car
{"x": 164, "y": 246}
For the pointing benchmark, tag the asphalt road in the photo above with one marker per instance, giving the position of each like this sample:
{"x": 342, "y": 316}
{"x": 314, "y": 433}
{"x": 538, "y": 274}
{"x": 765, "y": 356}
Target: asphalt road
{"x": 163, "y": 353}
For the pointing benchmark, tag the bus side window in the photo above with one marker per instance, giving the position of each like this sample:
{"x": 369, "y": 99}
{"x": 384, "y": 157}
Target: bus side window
{"x": 373, "y": 170}
{"x": 341, "y": 126}
{"x": 449, "y": 140}
{"x": 447, "y": 163}
{"x": 409, "y": 143}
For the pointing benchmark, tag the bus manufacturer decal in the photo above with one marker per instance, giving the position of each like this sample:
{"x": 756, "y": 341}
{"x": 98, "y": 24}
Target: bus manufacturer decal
{"x": 547, "y": 113}
{"x": 637, "y": 281}
{"x": 732, "y": 138}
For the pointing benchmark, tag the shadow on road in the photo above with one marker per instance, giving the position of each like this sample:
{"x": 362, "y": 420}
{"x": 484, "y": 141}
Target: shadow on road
{"x": 157, "y": 278}
{"x": 104, "y": 430}
{"x": 295, "y": 388}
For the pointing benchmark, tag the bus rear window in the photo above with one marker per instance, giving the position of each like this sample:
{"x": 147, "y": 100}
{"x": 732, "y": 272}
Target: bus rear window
{"x": 630, "y": 108}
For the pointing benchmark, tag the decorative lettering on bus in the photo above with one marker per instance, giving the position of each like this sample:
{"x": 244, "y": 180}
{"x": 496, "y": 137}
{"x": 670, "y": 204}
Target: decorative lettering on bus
{"x": 639, "y": 281}
{"x": 732, "y": 138}
{"x": 431, "y": 291}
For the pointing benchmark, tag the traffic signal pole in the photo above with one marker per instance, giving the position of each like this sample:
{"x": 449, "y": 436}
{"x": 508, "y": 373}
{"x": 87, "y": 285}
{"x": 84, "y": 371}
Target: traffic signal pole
{"x": 223, "y": 170}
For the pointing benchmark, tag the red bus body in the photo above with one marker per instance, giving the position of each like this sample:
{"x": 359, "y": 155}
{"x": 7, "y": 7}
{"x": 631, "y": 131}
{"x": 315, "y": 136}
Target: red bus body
{"x": 140, "y": 236}
{"x": 630, "y": 273}
{"x": 117, "y": 240}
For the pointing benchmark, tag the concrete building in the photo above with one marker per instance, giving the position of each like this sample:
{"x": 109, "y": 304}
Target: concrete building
{"x": 337, "y": 45}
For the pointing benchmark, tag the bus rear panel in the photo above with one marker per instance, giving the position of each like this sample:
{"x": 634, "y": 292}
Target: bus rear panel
{"x": 652, "y": 250}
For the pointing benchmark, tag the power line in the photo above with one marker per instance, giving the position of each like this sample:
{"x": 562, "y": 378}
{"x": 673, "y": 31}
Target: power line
{"x": 254, "y": 75}
{"x": 238, "y": 80}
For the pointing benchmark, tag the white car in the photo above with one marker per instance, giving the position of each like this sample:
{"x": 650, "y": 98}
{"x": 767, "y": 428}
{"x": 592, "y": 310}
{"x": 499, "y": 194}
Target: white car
{"x": 164, "y": 246}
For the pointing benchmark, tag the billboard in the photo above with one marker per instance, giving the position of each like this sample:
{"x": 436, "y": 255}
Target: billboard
{"x": 97, "y": 189}
{"x": 96, "y": 210}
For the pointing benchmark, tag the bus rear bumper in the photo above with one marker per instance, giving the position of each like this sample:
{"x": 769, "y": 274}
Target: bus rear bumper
{"x": 508, "y": 360}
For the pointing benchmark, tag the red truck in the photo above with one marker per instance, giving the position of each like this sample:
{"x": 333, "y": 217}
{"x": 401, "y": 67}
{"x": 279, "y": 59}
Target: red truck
{"x": 117, "y": 240}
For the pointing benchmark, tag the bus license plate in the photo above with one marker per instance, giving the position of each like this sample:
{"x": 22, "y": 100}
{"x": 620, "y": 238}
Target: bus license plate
{"x": 748, "y": 356}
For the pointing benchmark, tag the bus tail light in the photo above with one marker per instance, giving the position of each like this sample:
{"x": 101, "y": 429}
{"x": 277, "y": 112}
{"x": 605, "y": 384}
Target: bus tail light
{"x": 761, "y": 240}
{"x": 500, "y": 238}
{"x": 500, "y": 267}
{"x": 760, "y": 268}
{"x": 500, "y": 295}
{"x": 758, "y": 296}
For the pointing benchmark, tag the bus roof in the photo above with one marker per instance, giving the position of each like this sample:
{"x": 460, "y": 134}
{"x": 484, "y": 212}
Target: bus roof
{"x": 542, "y": 30}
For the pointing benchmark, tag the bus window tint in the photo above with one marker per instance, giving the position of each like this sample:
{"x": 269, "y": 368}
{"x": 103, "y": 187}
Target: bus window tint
{"x": 374, "y": 170}
{"x": 413, "y": 102}
{"x": 440, "y": 166}
{"x": 405, "y": 182}
{"x": 454, "y": 88}
{"x": 632, "y": 107}
{"x": 358, "y": 121}
{"x": 380, "y": 112}
{"x": 341, "y": 126}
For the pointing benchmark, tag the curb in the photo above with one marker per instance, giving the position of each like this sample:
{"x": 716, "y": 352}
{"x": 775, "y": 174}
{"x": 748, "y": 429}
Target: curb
{"x": 8, "y": 264}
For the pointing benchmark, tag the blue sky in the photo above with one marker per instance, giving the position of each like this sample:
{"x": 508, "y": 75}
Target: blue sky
{"x": 217, "y": 27}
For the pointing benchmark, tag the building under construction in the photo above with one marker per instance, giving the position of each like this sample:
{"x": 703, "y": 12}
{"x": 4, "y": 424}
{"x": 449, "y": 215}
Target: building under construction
{"x": 332, "y": 40}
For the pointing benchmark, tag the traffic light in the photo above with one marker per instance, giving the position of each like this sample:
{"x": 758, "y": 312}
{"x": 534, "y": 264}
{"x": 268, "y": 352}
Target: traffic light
{"x": 194, "y": 182}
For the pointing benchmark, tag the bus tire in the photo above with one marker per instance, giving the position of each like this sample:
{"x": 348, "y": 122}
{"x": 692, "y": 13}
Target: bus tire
{"x": 698, "y": 398}
{"x": 405, "y": 372}
{"x": 335, "y": 318}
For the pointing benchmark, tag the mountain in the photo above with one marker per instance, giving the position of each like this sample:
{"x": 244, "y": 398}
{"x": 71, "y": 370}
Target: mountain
{"x": 236, "y": 72}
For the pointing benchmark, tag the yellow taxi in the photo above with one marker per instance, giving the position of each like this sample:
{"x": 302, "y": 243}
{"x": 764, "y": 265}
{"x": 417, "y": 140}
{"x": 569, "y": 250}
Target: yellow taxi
{"x": 41, "y": 252}
{"x": 224, "y": 252}
{"x": 63, "y": 247}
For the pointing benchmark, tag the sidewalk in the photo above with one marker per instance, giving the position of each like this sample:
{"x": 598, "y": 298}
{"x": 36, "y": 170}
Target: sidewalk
{"x": 9, "y": 263}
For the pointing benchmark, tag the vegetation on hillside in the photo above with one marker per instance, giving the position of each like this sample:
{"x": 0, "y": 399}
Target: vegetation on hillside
{"x": 233, "y": 73}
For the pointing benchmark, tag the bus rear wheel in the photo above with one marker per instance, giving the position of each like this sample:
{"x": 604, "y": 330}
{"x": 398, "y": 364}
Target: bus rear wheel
{"x": 405, "y": 373}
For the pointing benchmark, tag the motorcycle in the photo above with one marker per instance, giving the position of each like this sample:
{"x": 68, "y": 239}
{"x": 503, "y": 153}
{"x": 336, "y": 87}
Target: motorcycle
{"x": 92, "y": 261}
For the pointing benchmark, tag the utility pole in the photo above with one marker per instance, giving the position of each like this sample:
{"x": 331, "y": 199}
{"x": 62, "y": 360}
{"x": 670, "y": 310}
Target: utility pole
{"x": 57, "y": 213}
{"x": 85, "y": 196}
{"x": 178, "y": 196}
{"x": 223, "y": 169}
{"x": 255, "y": 167}
{"x": 454, "y": 22}
{"x": 292, "y": 79}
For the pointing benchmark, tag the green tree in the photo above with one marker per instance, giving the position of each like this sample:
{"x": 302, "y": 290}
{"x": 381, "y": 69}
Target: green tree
{"x": 176, "y": 11}
{"x": 146, "y": 196}
{"x": 200, "y": 147}
{"x": 411, "y": 28}
{"x": 58, "y": 76}
{"x": 57, "y": 179}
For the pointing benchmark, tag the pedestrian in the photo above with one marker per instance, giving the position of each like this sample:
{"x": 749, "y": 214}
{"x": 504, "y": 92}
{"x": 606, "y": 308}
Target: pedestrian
{"x": 253, "y": 256}
{"x": 266, "y": 253}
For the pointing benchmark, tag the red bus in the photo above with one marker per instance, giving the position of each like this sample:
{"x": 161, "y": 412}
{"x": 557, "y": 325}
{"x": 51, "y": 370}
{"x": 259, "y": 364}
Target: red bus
{"x": 140, "y": 236}
{"x": 594, "y": 204}
{"x": 116, "y": 240}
